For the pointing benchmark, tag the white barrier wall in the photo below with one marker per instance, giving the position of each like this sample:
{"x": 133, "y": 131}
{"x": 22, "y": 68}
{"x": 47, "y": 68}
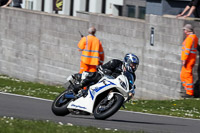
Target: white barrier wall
{"x": 42, "y": 47}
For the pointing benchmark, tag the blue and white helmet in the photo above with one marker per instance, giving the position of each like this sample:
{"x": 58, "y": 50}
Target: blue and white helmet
{"x": 131, "y": 62}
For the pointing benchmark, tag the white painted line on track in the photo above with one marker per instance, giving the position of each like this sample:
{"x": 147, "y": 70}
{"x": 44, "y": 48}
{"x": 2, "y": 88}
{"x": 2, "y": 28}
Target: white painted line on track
{"x": 11, "y": 94}
{"x": 119, "y": 110}
{"x": 159, "y": 115}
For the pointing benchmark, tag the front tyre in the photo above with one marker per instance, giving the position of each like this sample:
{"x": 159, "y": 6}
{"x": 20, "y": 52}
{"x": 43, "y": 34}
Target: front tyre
{"x": 59, "y": 105}
{"x": 107, "y": 108}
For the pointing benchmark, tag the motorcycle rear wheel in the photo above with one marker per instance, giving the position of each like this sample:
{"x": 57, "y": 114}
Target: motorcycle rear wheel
{"x": 107, "y": 108}
{"x": 59, "y": 105}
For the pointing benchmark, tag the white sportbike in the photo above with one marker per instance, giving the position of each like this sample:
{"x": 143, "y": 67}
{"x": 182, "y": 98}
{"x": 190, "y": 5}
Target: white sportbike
{"x": 103, "y": 98}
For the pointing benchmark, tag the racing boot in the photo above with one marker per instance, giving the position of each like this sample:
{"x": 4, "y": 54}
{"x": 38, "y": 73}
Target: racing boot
{"x": 84, "y": 91}
{"x": 77, "y": 77}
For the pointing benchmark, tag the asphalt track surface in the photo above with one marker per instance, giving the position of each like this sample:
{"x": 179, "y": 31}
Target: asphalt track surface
{"x": 31, "y": 108}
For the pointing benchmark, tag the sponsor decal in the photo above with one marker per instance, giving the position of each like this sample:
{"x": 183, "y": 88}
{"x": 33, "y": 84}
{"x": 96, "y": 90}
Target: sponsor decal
{"x": 78, "y": 106}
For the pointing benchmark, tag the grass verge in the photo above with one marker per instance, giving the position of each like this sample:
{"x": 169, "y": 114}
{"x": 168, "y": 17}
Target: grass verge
{"x": 11, "y": 125}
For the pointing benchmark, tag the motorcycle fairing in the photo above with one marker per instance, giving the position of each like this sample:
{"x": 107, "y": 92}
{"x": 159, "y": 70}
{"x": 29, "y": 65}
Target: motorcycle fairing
{"x": 106, "y": 83}
{"x": 97, "y": 89}
{"x": 94, "y": 90}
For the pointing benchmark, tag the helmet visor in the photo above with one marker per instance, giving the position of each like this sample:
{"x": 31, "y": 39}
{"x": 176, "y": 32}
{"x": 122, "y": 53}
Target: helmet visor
{"x": 131, "y": 67}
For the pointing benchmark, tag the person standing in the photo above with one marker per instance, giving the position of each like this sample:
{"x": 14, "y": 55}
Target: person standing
{"x": 188, "y": 58}
{"x": 5, "y": 3}
{"x": 192, "y": 7}
{"x": 92, "y": 52}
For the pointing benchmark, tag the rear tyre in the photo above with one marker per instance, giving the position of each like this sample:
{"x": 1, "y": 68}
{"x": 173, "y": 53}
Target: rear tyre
{"x": 107, "y": 108}
{"x": 59, "y": 105}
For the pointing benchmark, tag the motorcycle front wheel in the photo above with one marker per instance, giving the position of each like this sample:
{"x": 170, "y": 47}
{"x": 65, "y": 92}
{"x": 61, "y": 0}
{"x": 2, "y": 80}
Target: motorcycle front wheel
{"x": 59, "y": 105}
{"x": 107, "y": 108}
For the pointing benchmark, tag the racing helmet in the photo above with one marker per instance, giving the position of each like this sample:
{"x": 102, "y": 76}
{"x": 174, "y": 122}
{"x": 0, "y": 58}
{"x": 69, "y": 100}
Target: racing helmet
{"x": 131, "y": 62}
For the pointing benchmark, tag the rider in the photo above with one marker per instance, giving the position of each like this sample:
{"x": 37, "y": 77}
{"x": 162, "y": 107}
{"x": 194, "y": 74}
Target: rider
{"x": 113, "y": 68}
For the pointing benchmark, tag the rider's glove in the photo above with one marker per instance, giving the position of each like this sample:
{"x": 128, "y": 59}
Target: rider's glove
{"x": 134, "y": 86}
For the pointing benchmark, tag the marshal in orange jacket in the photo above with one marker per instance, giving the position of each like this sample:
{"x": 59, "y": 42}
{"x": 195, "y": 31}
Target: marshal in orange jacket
{"x": 92, "y": 51}
{"x": 189, "y": 53}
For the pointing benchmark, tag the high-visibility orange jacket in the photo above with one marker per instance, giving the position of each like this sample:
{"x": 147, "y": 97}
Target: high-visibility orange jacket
{"x": 92, "y": 50}
{"x": 189, "y": 53}
{"x": 189, "y": 48}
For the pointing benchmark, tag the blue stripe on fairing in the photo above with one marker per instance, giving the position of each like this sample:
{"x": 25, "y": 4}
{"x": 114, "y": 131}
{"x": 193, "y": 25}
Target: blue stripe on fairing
{"x": 98, "y": 89}
{"x": 91, "y": 95}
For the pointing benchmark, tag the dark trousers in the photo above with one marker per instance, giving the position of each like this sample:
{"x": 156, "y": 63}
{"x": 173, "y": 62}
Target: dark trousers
{"x": 18, "y": 6}
{"x": 196, "y": 13}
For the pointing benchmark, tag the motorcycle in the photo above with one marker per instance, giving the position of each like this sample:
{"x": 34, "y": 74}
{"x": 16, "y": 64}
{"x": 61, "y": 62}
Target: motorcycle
{"x": 103, "y": 98}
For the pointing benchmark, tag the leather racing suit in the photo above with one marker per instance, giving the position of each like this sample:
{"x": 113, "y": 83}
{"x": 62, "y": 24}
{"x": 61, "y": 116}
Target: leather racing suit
{"x": 112, "y": 68}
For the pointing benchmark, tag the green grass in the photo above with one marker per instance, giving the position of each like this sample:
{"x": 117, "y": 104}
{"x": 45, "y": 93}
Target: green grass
{"x": 11, "y": 85}
{"x": 189, "y": 108}
{"x": 12, "y": 125}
